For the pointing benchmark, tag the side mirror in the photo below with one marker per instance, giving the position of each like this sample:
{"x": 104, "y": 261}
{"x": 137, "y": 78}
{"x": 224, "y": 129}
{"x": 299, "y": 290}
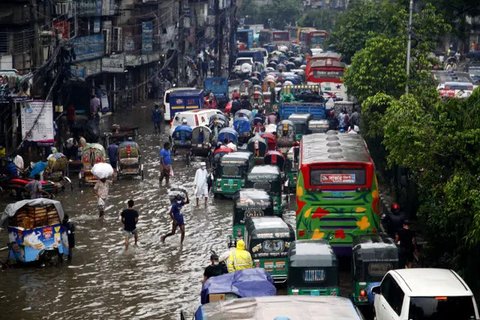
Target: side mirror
{"x": 376, "y": 290}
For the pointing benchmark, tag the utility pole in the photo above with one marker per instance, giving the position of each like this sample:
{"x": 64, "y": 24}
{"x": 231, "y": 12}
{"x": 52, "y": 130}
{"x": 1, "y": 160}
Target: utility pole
{"x": 219, "y": 38}
{"x": 409, "y": 43}
{"x": 181, "y": 44}
{"x": 233, "y": 31}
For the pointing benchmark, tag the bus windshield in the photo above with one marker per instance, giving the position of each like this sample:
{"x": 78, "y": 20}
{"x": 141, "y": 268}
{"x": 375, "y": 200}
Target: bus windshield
{"x": 317, "y": 40}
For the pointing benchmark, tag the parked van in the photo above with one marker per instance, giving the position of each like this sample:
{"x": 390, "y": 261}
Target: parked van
{"x": 195, "y": 118}
{"x": 418, "y": 294}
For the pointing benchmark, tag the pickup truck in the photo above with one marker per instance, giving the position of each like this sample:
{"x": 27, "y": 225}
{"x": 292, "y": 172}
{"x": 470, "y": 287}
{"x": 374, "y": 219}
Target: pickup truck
{"x": 316, "y": 109}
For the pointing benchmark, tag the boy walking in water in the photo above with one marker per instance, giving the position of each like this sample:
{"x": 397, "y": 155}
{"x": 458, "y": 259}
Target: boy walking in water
{"x": 177, "y": 217}
{"x": 129, "y": 220}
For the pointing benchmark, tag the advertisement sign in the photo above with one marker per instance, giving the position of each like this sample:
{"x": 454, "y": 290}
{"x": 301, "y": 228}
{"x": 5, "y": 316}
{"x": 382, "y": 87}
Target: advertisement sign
{"x": 147, "y": 36}
{"x": 89, "y": 47}
{"x": 115, "y": 63}
{"x": 85, "y": 69}
{"x": 337, "y": 178}
{"x": 30, "y": 243}
{"x": 37, "y": 121}
{"x": 63, "y": 28}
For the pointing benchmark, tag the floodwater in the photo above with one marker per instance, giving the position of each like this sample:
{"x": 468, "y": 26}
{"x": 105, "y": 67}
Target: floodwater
{"x": 151, "y": 281}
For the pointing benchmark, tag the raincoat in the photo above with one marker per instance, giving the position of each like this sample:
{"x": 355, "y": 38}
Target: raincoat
{"x": 239, "y": 258}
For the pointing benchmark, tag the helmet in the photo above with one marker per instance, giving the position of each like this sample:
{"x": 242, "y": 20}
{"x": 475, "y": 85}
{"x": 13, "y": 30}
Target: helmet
{"x": 395, "y": 207}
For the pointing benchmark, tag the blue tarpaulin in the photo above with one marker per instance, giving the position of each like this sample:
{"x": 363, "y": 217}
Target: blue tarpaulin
{"x": 245, "y": 283}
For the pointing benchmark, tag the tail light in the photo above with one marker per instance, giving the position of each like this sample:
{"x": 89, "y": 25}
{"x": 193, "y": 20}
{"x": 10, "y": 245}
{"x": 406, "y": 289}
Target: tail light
{"x": 363, "y": 293}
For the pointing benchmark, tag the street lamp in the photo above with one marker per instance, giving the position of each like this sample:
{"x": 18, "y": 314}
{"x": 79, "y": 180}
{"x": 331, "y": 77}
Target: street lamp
{"x": 409, "y": 43}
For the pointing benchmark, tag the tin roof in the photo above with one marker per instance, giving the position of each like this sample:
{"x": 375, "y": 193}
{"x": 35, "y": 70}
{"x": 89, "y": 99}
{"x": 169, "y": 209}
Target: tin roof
{"x": 333, "y": 147}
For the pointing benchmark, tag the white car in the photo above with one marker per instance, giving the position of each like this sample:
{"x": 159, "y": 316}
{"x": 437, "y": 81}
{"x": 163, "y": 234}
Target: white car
{"x": 195, "y": 118}
{"x": 424, "y": 293}
{"x": 243, "y": 67}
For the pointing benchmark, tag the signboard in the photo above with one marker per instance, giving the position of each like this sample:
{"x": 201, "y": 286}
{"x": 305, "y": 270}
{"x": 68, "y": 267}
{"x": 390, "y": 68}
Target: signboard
{"x": 87, "y": 68}
{"x": 63, "y": 28}
{"x": 37, "y": 121}
{"x": 147, "y": 36}
{"x": 115, "y": 63}
{"x": 337, "y": 178}
{"x": 89, "y": 47}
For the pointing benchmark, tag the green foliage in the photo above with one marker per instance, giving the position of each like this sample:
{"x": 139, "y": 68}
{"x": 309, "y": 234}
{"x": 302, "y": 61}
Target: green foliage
{"x": 373, "y": 110}
{"x": 439, "y": 143}
{"x": 365, "y": 19}
{"x": 323, "y": 19}
{"x": 379, "y": 67}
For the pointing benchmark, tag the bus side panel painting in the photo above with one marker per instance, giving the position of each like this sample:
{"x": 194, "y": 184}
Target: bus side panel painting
{"x": 336, "y": 200}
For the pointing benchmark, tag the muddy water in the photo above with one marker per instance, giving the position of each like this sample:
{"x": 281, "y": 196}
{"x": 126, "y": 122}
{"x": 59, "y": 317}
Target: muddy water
{"x": 151, "y": 281}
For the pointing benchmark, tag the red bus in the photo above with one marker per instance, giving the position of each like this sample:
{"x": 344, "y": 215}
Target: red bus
{"x": 327, "y": 70}
{"x": 278, "y": 37}
{"x": 316, "y": 39}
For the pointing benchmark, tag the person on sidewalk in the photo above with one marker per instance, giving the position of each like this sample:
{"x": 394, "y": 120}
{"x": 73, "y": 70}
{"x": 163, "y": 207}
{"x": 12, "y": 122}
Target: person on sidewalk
{"x": 407, "y": 243}
{"x": 201, "y": 183}
{"x": 129, "y": 219}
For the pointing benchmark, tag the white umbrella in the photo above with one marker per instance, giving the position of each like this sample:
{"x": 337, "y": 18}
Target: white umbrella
{"x": 102, "y": 170}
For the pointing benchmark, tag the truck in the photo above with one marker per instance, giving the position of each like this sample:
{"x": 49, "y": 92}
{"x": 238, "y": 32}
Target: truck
{"x": 245, "y": 36}
{"x": 302, "y": 99}
{"x": 219, "y": 87}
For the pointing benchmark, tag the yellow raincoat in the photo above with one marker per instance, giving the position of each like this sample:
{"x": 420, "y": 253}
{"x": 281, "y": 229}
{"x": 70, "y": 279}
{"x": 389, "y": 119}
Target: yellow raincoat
{"x": 239, "y": 258}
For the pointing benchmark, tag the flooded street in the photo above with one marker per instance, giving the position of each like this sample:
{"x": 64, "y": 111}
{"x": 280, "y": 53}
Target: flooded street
{"x": 151, "y": 281}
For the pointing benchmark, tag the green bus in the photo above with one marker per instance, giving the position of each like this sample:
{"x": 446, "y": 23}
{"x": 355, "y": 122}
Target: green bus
{"x": 337, "y": 191}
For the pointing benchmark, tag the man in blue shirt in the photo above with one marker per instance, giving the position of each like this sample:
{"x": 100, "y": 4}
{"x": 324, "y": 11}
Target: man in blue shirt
{"x": 112, "y": 150}
{"x": 177, "y": 217}
{"x": 165, "y": 163}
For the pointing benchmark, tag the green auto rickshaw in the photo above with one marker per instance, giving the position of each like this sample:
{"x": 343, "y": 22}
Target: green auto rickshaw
{"x": 270, "y": 179}
{"x": 231, "y": 173}
{"x": 301, "y": 123}
{"x": 249, "y": 203}
{"x": 268, "y": 240}
{"x": 372, "y": 257}
{"x": 312, "y": 269}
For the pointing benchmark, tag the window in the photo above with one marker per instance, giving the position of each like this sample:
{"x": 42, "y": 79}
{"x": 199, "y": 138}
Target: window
{"x": 441, "y": 308}
{"x": 392, "y": 293}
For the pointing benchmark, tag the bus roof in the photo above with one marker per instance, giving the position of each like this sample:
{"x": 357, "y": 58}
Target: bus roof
{"x": 333, "y": 147}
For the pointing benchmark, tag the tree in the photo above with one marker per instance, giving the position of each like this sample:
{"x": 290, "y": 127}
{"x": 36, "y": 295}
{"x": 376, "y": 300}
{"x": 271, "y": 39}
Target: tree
{"x": 364, "y": 19}
{"x": 281, "y": 13}
{"x": 323, "y": 19}
{"x": 439, "y": 142}
{"x": 379, "y": 67}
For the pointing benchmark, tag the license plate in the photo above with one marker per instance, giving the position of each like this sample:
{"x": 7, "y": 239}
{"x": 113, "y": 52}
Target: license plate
{"x": 268, "y": 265}
{"x": 199, "y": 145}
